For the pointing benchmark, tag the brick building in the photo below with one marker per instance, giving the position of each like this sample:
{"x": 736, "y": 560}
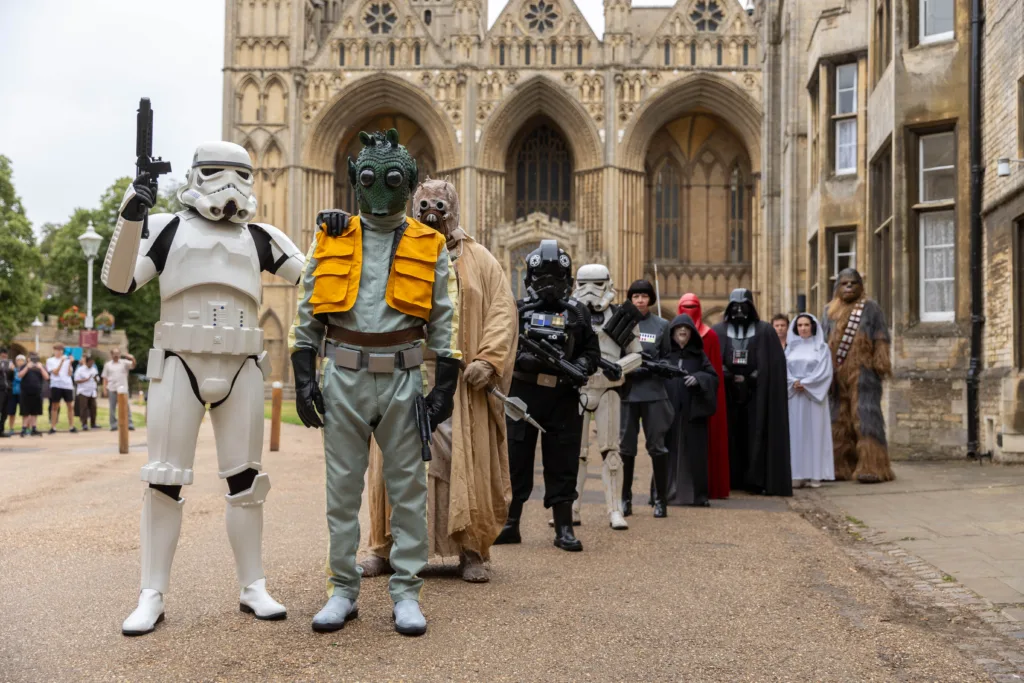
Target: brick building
{"x": 874, "y": 135}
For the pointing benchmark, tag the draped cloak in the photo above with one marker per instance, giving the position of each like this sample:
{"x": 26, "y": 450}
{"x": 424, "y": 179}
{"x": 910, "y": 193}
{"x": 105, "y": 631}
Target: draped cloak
{"x": 718, "y": 424}
{"x": 468, "y": 479}
{"x": 810, "y": 423}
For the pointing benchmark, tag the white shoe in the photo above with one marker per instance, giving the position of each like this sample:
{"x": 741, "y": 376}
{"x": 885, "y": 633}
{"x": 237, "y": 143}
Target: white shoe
{"x": 617, "y": 521}
{"x": 255, "y": 600}
{"x": 815, "y": 484}
{"x": 798, "y": 483}
{"x": 409, "y": 620}
{"x": 146, "y": 616}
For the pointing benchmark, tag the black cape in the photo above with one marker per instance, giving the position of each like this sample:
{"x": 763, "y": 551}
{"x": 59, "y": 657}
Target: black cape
{"x": 758, "y": 411}
{"x": 687, "y": 440}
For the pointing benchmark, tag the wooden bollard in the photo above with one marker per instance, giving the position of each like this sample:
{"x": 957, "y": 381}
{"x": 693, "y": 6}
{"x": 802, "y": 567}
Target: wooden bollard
{"x": 275, "y": 416}
{"x": 122, "y": 420}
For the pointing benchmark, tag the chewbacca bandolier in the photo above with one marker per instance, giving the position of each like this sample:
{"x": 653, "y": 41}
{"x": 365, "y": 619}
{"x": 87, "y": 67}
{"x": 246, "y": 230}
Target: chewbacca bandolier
{"x": 859, "y": 338}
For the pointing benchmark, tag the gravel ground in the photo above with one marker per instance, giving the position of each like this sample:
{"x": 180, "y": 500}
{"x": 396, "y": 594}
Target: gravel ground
{"x": 747, "y": 591}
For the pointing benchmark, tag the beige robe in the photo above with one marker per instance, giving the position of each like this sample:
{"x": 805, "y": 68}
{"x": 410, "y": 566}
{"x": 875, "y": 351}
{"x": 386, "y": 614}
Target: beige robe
{"x": 468, "y": 479}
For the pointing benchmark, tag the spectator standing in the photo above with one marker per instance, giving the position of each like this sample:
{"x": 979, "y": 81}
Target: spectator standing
{"x": 62, "y": 387}
{"x": 6, "y": 380}
{"x": 781, "y": 324}
{"x": 115, "y": 376}
{"x": 85, "y": 383}
{"x": 14, "y": 397}
{"x": 33, "y": 375}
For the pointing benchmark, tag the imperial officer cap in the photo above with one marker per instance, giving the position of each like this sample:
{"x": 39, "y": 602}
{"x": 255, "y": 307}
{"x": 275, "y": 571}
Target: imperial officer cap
{"x": 221, "y": 153}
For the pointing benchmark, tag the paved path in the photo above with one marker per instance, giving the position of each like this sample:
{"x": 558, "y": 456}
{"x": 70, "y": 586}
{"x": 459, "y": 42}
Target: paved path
{"x": 746, "y": 591}
{"x": 965, "y": 519}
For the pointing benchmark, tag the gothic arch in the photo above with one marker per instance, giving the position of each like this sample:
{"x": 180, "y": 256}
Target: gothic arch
{"x": 275, "y": 100}
{"x": 247, "y": 98}
{"x": 362, "y": 99}
{"x": 697, "y": 92}
{"x": 540, "y": 96}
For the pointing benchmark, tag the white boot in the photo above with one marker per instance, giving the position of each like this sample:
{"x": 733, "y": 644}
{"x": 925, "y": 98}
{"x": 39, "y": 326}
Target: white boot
{"x": 244, "y": 517}
{"x": 611, "y": 477}
{"x": 158, "y": 534}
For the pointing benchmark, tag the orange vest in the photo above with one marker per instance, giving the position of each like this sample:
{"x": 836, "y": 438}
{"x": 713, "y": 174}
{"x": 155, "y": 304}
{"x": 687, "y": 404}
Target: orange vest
{"x": 411, "y": 281}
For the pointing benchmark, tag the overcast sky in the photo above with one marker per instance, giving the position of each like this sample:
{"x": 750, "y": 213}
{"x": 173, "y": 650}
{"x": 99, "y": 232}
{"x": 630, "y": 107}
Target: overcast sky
{"x": 72, "y": 73}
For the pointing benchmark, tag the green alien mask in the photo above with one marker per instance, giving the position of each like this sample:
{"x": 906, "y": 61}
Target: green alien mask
{"x": 384, "y": 175}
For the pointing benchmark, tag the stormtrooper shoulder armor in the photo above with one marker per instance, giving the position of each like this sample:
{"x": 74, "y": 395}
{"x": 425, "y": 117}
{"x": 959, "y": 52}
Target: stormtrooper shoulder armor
{"x": 278, "y": 254}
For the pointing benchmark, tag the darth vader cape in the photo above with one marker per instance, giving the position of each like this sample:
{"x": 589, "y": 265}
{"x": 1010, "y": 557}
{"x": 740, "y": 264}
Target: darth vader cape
{"x": 758, "y": 410}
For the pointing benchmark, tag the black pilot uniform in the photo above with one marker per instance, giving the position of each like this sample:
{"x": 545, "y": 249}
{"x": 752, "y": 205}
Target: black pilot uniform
{"x": 552, "y": 396}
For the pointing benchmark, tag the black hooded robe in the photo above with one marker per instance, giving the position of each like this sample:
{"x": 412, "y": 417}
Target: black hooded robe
{"x": 758, "y": 411}
{"x": 687, "y": 440}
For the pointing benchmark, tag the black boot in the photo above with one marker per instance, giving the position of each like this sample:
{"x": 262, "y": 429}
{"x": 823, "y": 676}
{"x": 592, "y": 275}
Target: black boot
{"x": 564, "y": 538}
{"x": 660, "y": 465}
{"x": 627, "y": 485}
{"x": 510, "y": 532}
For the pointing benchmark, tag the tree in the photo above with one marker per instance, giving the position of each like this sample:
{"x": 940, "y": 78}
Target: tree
{"x": 20, "y": 288}
{"x": 65, "y": 270}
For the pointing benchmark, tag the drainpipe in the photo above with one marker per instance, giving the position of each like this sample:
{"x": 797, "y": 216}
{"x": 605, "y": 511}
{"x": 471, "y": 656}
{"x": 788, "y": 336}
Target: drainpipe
{"x": 976, "y": 235}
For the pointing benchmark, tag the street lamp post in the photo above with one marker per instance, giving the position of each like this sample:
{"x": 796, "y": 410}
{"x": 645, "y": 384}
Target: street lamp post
{"x": 37, "y": 323}
{"x": 90, "y": 241}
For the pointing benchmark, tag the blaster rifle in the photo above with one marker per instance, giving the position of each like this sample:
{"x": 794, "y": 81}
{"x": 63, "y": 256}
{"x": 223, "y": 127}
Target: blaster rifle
{"x": 145, "y": 162}
{"x": 663, "y": 368}
{"x": 423, "y": 425}
{"x": 515, "y": 408}
{"x": 551, "y": 355}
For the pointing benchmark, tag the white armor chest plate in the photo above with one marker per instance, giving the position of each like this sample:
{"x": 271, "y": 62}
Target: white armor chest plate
{"x": 210, "y": 290}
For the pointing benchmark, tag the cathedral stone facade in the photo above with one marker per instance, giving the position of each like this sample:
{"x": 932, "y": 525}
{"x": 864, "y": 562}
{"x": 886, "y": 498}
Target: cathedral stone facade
{"x": 640, "y": 150}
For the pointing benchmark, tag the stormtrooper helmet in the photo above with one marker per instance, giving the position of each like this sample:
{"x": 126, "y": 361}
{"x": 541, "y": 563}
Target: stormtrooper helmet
{"x": 594, "y": 286}
{"x": 219, "y": 184}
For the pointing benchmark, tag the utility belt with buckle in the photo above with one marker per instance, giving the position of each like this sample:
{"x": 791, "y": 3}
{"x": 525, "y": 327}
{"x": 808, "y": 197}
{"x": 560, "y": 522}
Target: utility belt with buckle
{"x": 541, "y": 379}
{"x": 377, "y": 363}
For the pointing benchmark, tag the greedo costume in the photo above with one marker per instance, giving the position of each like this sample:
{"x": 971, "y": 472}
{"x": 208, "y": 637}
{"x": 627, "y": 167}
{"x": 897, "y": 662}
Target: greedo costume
{"x": 375, "y": 287}
{"x": 692, "y": 404}
{"x": 859, "y": 341}
{"x": 601, "y": 402}
{"x": 718, "y": 424}
{"x": 207, "y": 351}
{"x": 468, "y": 479}
{"x": 645, "y": 400}
{"x": 809, "y": 361}
{"x": 755, "y": 391}
{"x": 550, "y": 387}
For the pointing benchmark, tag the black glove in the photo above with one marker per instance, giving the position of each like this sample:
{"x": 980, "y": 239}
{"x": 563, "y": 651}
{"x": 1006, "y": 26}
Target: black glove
{"x": 309, "y": 402}
{"x": 137, "y": 207}
{"x": 621, "y": 324}
{"x": 441, "y": 399}
{"x": 583, "y": 363}
{"x": 613, "y": 373}
{"x": 334, "y": 221}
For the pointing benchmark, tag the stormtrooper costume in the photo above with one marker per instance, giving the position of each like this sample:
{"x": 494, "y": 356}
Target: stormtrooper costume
{"x": 599, "y": 399}
{"x": 207, "y": 351}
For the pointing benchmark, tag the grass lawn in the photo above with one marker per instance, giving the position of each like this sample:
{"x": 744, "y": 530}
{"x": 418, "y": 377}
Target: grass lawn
{"x": 288, "y": 413}
{"x": 102, "y": 418}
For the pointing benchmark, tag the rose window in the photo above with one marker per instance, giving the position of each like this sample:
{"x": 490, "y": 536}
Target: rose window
{"x": 541, "y": 16}
{"x": 707, "y": 15}
{"x": 380, "y": 17}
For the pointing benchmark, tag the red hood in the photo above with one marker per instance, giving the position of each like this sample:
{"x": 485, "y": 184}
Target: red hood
{"x": 690, "y": 305}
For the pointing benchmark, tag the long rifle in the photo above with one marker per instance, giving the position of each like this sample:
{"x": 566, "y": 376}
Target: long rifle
{"x": 657, "y": 292}
{"x": 145, "y": 162}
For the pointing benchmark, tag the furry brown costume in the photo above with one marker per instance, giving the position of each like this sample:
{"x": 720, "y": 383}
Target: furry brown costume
{"x": 858, "y": 427}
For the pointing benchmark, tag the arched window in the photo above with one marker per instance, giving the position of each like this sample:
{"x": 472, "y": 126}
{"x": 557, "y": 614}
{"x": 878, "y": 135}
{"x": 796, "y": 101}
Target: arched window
{"x": 579, "y": 53}
{"x": 554, "y": 54}
{"x": 427, "y": 17}
{"x": 391, "y": 55}
{"x": 526, "y": 53}
{"x": 668, "y": 53}
{"x": 543, "y": 175}
{"x": 517, "y": 266}
{"x": 501, "y": 54}
{"x": 341, "y": 55}
{"x": 719, "y": 53}
{"x": 746, "y": 54}
{"x": 667, "y": 224}
{"x": 366, "y": 55}
{"x": 737, "y": 216}
{"x": 693, "y": 54}
{"x": 416, "y": 54}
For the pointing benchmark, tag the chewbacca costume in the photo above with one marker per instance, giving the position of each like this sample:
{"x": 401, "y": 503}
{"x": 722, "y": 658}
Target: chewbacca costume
{"x": 858, "y": 427}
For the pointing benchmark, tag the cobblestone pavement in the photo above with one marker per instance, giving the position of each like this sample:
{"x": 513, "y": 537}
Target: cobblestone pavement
{"x": 744, "y": 591}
